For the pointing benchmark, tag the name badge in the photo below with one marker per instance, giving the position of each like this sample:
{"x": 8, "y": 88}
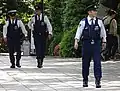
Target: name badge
{"x": 16, "y": 27}
{"x": 96, "y": 27}
{"x": 86, "y": 27}
{"x": 92, "y": 42}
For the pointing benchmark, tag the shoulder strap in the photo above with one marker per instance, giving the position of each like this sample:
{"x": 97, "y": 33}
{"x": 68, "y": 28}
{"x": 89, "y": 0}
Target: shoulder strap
{"x": 86, "y": 22}
{"x": 111, "y": 20}
{"x": 104, "y": 19}
{"x": 42, "y": 11}
{"x": 9, "y": 21}
{"x": 109, "y": 24}
{"x": 16, "y": 21}
{"x": 35, "y": 18}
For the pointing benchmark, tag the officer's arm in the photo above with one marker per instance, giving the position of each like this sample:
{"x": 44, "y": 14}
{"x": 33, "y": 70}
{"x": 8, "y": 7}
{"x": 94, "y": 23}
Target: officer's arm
{"x": 23, "y": 28}
{"x": 49, "y": 26}
{"x": 103, "y": 32}
{"x": 114, "y": 25}
{"x": 79, "y": 31}
{"x": 30, "y": 23}
{"x": 5, "y": 29}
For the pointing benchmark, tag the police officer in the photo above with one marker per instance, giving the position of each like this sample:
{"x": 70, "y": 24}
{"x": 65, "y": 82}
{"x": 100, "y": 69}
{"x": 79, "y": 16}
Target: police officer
{"x": 91, "y": 30}
{"x": 12, "y": 34}
{"x": 40, "y": 34}
{"x": 111, "y": 28}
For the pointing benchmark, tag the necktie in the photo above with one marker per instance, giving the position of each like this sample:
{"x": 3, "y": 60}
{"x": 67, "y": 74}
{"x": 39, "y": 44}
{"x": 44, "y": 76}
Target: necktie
{"x": 92, "y": 29}
{"x": 38, "y": 17}
{"x": 92, "y": 24}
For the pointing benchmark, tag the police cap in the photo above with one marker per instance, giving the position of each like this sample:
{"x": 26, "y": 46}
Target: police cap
{"x": 12, "y": 12}
{"x": 38, "y": 6}
{"x": 91, "y": 7}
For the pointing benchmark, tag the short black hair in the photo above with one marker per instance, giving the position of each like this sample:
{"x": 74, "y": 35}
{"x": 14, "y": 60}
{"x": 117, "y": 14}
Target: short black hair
{"x": 111, "y": 12}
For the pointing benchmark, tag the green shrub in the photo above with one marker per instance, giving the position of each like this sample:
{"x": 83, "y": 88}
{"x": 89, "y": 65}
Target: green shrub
{"x": 56, "y": 40}
{"x": 56, "y": 15}
{"x": 67, "y": 44}
{"x": 73, "y": 13}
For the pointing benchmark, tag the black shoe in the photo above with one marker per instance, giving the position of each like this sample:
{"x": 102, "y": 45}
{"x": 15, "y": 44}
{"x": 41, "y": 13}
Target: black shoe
{"x": 112, "y": 57}
{"x": 18, "y": 65}
{"x": 39, "y": 66}
{"x": 12, "y": 66}
{"x": 39, "y": 63}
{"x": 85, "y": 83}
{"x": 97, "y": 82}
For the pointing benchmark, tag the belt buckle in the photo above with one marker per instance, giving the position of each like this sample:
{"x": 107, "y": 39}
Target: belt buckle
{"x": 92, "y": 42}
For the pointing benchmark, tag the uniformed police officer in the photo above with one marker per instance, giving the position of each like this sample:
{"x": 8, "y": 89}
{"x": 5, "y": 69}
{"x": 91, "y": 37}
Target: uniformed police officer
{"x": 12, "y": 34}
{"x": 91, "y": 30}
{"x": 40, "y": 33}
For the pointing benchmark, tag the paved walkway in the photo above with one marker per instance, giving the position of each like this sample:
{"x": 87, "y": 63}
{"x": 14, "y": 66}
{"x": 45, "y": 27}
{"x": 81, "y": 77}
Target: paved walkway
{"x": 56, "y": 75}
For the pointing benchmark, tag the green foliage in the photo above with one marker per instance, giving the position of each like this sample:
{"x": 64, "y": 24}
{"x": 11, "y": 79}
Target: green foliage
{"x": 55, "y": 12}
{"x": 118, "y": 20}
{"x": 74, "y": 11}
{"x": 67, "y": 43}
{"x": 56, "y": 15}
{"x": 11, "y": 4}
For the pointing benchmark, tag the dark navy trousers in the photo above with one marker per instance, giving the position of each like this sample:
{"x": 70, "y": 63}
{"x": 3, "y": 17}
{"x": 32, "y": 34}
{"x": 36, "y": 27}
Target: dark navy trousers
{"x": 40, "y": 45}
{"x": 91, "y": 51}
{"x": 14, "y": 46}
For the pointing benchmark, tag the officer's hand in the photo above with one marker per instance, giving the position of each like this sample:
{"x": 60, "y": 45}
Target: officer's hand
{"x": 103, "y": 46}
{"x": 76, "y": 45}
{"x": 49, "y": 36}
{"x": 26, "y": 38}
{"x": 5, "y": 39}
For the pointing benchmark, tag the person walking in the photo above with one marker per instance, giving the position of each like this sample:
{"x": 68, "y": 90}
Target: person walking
{"x": 91, "y": 31}
{"x": 41, "y": 30}
{"x": 12, "y": 36}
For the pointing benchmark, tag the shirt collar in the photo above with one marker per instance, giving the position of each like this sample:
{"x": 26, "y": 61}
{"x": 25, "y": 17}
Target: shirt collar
{"x": 89, "y": 18}
{"x": 40, "y": 15}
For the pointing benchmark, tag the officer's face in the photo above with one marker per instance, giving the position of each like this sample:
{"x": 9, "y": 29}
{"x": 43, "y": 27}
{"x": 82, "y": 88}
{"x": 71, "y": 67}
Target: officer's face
{"x": 92, "y": 13}
{"x": 12, "y": 17}
{"x": 113, "y": 16}
{"x": 38, "y": 12}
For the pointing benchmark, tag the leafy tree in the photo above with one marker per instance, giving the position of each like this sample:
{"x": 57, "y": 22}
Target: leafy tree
{"x": 118, "y": 20}
{"x": 55, "y": 12}
{"x": 73, "y": 13}
{"x": 56, "y": 15}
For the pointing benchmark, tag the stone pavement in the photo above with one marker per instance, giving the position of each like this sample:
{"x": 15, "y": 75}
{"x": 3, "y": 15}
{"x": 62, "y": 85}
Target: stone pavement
{"x": 57, "y": 75}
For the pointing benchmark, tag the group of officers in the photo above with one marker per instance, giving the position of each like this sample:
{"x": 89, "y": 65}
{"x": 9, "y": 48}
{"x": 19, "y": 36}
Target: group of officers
{"x": 91, "y": 32}
{"x": 14, "y": 30}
